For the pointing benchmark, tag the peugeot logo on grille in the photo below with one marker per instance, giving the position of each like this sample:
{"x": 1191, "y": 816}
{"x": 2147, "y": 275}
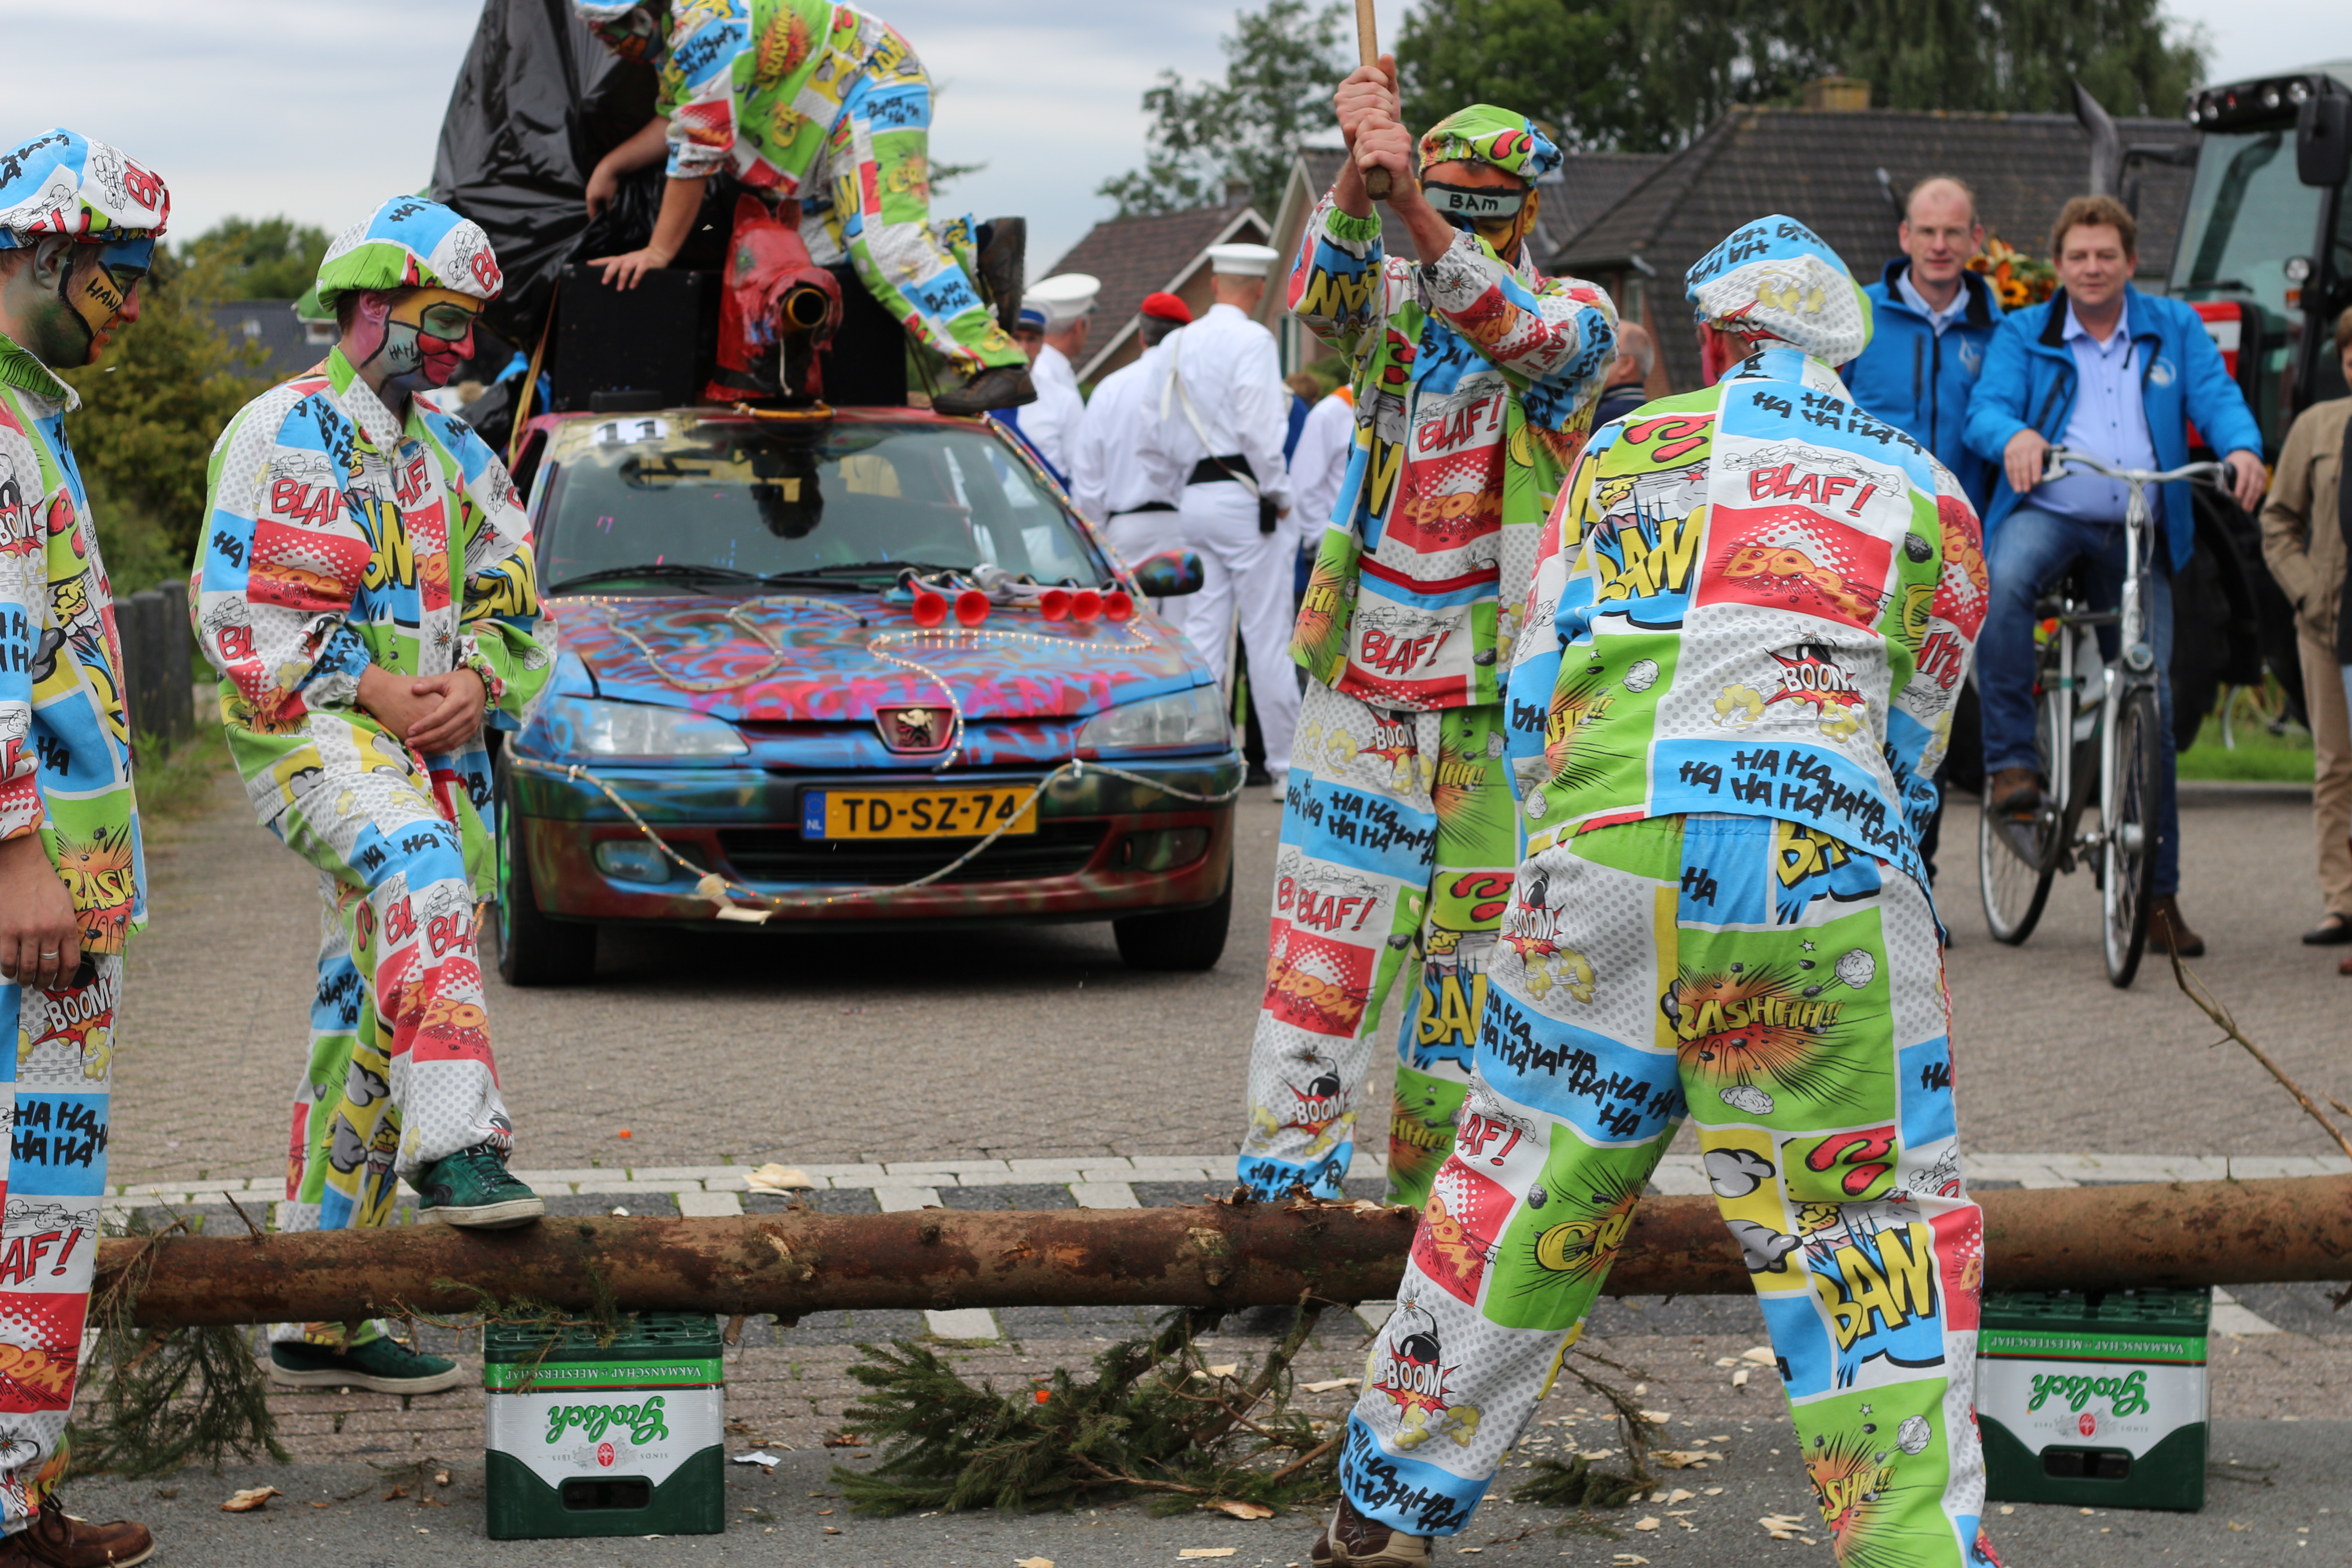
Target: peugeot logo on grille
{"x": 916, "y": 729}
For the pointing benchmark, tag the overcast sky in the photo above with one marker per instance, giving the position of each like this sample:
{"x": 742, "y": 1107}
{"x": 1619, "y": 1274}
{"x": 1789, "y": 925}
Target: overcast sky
{"x": 321, "y": 110}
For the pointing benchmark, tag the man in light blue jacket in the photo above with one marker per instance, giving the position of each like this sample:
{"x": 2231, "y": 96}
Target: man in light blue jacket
{"x": 2101, "y": 368}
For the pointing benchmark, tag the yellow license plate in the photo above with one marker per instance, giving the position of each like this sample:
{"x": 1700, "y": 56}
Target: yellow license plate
{"x": 916, "y": 812}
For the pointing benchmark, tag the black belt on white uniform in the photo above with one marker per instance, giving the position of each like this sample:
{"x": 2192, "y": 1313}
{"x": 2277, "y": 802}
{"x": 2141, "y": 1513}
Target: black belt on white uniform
{"x": 1149, "y": 505}
{"x": 1222, "y": 471}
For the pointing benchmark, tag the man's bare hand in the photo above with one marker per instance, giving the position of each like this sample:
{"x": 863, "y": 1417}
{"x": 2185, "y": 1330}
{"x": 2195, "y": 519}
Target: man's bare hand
{"x": 1388, "y": 145}
{"x": 455, "y": 715}
{"x": 391, "y": 701}
{"x": 2023, "y": 459}
{"x": 40, "y": 935}
{"x": 1367, "y": 96}
{"x": 624, "y": 272}
{"x": 602, "y": 187}
{"x": 2247, "y": 480}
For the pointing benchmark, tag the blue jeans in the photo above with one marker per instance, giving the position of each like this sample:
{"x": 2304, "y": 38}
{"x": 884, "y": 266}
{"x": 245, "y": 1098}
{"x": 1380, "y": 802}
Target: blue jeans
{"x": 2031, "y": 552}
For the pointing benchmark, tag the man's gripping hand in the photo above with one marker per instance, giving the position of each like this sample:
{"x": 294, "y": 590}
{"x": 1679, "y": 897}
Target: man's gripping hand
{"x": 1372, "y": 124}
{"x": 2023, "y": 459}
{"x": 2247, "y": 480}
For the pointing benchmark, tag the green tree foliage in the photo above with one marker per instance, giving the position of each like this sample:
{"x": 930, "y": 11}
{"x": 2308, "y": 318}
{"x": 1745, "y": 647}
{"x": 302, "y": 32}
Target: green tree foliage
{"x": 1282, "y": 62}
{"x": 259, "y": 259}
{"x": 1649, "y": 75}
{"x": 150, "y": 412}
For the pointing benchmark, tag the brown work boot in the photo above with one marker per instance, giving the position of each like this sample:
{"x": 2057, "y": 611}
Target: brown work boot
{"x": 998, "y": 386}
{"x": 2169, "y": 932}
{"x": 55, "y": 1538}
{"x": 2013, "y": 792}
{"x": 1354, "y": 1541}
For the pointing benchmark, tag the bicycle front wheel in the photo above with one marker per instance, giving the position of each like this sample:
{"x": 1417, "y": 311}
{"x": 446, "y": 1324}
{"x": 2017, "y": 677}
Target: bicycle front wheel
{"x": 2013, "y": 888}
{"x": 2017, "y": 860}
{"x": 2128, "y": 835}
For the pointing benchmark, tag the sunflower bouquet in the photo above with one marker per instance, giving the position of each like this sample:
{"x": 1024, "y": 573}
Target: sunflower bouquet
{"x": 2018, "y": 279}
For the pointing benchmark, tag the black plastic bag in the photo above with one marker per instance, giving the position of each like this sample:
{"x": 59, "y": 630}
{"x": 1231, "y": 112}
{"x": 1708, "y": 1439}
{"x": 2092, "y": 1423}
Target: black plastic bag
{"x": 537, "y": 103}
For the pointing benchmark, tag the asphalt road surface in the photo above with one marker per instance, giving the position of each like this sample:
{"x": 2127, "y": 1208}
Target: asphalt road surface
{"x": 827, "y": 1045}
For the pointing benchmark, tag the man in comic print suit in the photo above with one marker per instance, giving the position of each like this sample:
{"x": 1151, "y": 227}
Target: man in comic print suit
{"x": 365, "y": 589}
{"x": 1752, "y": 608}
{"x": 823, "y": 114}
{"x": 78, "y": 223}
{"x": 1473, "y": 379}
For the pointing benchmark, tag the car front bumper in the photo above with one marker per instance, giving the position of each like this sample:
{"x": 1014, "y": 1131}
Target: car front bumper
{"x": 1105, "y": 846}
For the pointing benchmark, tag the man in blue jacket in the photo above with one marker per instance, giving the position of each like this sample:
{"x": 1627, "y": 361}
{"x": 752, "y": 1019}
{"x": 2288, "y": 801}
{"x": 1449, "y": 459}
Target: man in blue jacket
{"x": 1932, "y": 320}
{"x": 2101, "y": 368}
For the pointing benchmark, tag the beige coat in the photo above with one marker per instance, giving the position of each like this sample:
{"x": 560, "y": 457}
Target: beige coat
{"x": 2301, "y": 539}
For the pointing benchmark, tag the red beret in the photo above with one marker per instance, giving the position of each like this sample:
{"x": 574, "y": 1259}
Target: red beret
{"x": 1167, "y": 308}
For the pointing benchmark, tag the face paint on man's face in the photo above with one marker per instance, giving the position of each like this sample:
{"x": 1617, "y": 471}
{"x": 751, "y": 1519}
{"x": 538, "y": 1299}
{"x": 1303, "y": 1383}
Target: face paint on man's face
{"x": 99, "y": 288}
{"x": 427, "y": 337}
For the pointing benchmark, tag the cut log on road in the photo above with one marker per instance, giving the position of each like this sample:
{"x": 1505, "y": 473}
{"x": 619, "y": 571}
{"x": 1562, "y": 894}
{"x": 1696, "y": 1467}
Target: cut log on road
{"x": 1223, "y": 1255}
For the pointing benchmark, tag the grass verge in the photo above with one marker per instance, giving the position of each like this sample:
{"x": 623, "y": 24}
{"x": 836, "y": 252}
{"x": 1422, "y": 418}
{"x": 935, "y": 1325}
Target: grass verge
{"x": 176, "y": 783}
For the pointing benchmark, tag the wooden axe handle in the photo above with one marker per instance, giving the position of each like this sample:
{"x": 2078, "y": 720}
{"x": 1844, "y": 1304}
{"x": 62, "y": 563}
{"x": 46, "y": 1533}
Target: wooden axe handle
{"x": 1368, "y": 50}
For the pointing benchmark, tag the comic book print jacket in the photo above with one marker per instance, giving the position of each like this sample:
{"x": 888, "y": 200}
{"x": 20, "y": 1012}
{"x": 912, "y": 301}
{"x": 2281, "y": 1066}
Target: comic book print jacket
{"x": 756, "y": 84}
{"x": 1754, "y": 599}
{"x": 65, "y": 738}
{"x": 1474, "y": 386}
{"x": 337, "y": 538}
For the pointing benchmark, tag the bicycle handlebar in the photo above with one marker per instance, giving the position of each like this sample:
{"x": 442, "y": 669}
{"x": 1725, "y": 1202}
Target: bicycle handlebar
{"x": 2059, "y": 457}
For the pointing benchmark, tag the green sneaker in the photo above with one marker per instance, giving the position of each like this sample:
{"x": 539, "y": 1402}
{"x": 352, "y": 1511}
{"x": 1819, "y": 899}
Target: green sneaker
{"x": 472, "y": 1188}
{"x": 385, "y": 1366}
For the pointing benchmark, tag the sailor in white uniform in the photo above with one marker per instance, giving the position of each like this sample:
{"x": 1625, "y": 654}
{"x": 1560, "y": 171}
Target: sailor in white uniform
{"x": 1119, "y": 475}
{"x": 1223, "y": 413}
{"x": 1052, "y": 328}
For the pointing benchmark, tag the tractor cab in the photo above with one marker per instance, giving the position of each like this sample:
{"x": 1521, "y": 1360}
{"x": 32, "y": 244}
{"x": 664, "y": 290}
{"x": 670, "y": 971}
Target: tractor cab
{"x": 2265, "y": 252}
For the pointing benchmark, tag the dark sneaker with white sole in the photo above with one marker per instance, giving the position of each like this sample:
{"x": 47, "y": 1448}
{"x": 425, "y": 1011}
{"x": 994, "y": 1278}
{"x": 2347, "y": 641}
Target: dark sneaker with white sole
{"x": 384, "y": 1365}
{"x": 472, "y": 1188}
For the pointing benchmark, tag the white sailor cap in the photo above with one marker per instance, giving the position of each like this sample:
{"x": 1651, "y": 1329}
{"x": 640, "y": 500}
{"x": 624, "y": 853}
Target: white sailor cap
{"x": 1243, "y": 261}
{"x": 1054, "y": 303}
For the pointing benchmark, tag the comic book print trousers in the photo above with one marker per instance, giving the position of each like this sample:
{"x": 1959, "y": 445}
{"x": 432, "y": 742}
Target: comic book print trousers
{"x": 400, "y": 1073}
{"x": 1400, "y": 835}
{"x": 871, "y": 186}
{"x": 62, "y": 1067}
{"x": 1787, "y": 996}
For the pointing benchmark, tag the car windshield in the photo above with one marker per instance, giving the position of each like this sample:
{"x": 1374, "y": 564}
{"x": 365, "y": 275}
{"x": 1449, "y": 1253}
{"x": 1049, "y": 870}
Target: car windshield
{"x": 678, "y": 492}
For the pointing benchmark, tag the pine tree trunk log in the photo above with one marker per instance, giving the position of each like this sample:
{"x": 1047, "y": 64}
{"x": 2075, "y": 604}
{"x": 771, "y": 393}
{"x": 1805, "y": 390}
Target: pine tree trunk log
{"x": 1221, "y": 1253}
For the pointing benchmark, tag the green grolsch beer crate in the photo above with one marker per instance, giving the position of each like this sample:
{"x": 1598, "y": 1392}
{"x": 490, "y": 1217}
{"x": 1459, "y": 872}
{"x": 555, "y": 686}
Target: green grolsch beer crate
{"x": 2098, "y": 1399}
{"x": 625, "y": 1438}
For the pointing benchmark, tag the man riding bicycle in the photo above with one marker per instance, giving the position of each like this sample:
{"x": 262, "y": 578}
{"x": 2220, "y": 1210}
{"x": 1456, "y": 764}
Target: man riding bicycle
{"x": 2104, "y": 369}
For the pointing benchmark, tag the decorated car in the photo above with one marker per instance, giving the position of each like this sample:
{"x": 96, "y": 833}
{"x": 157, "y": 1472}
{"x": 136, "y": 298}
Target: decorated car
{"x": 859, "y": 668}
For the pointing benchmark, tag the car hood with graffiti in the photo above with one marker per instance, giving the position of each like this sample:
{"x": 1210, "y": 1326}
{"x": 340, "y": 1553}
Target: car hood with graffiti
{"x": 803, "y": 668}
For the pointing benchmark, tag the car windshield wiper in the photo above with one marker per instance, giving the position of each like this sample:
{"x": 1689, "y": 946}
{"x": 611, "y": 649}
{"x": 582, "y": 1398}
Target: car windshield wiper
{"x": 675, "y": 569}
{"x": 892, "y": 567}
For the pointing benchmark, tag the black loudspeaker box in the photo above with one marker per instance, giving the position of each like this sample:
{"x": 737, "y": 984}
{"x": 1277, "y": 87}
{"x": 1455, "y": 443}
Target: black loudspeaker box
{"x": 629, "y": 350}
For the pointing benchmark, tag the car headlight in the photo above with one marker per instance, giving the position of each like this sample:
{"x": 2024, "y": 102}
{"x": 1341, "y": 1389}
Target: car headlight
{"x": 583, "y": 724}
{"x": 1190, "y": 719}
